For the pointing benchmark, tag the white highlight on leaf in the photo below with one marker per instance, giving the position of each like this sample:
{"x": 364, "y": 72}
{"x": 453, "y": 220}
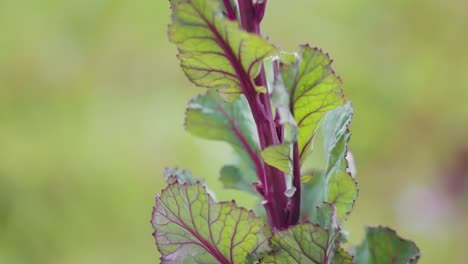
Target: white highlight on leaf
{"x": 351, "y": 169}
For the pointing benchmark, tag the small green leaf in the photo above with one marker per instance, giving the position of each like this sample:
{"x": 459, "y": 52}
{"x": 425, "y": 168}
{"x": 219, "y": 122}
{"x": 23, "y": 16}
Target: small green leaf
{"x": 231, "y": 177}
{"x": 306, "y": 178}
{"x": 342, "y": 257}
{"x": 208, "y": 116}
{"x": 215, "y": 52}
{"x": 314, "y": 89}
{"x": 279, "y": 157}
{"x": 335, "y": 185}
{"x": 383, "y": 245}
{"x": 190, "y": 227}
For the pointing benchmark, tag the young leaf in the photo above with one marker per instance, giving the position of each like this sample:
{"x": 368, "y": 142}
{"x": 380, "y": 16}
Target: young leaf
{"x": 314, "y": 243}
{"x": 342, "y": 257}
{"x": 279, "y": 157}
{"x": 190, "y": 227}
{"x": 214, "y": 51}
{"x": 179, "y": 175}
{"x": 314, "y": 89}
{"x": 335, "y": 185}
{"x": 383, "y": 245}
{"x": 210, "y": 117}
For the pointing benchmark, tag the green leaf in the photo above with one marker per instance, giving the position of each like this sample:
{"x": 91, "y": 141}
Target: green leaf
{"x": 314, "y": 89}
{"x": 232, "y": 178}
{"x": 335, "y": 185}
{"x": 316, "y": 243}
{"x": 325, "y": 216}
{"x": 182, "y": 176}
{"x": 190, "y": 227}
{"x": 279, "y": 156}
{"x": 303, "y": 243}
{"x": 383, "y": 245}
{"x": 208, "y": 116}
{"x": 342, "y": 257}
{"x": 215, "y": 52}
{"x": 342, "y": 188}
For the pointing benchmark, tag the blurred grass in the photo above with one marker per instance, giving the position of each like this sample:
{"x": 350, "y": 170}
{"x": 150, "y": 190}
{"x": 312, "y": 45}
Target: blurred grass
{"x": 92, "y": 104}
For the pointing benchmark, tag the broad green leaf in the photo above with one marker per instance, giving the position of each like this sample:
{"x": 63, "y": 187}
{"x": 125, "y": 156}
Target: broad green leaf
{"x": 190, "y": 227}
{"x": 215, "y": 52}
{"x": 279, "y": 156}
{"x": 208, "y": 116}
{"x": 314, "y": 89}
{"x": 383, "y": 245}
{"x": 303, "y": 243}
{"x": 309, "y": 242}
{"x": 334, "y": 185}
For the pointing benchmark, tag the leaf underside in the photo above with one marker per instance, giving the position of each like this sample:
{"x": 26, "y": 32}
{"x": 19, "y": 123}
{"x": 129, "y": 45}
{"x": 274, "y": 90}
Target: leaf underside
{"x": 335, "y": 185}
{"x": 383, "y": 245}
{"x": 215, "y": 52}
{"x": 190, "y": 227}
{"x": 208, "y": 116}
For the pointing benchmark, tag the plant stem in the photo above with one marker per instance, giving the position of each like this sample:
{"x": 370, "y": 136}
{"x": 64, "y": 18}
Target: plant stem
{"x": 274, "y": 184}
{"x": 296, "y": 199}
{"x": 231, "y": 13}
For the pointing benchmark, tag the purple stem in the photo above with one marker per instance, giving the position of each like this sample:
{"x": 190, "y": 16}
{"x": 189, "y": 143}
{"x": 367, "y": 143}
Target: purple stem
{"x": 248, "y": 20}
{"x": 296, "y": 199}
{"x": 274, "y": 184}
{"x": 231, "y": 13}
{"x": 252, "y": 154}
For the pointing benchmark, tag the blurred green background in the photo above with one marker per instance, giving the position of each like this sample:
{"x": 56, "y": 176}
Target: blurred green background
{"x": 92, "y": 104}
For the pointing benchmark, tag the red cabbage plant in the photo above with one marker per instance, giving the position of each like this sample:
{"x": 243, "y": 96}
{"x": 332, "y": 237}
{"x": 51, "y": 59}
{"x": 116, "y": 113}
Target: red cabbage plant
{"x": 271, "y": 107}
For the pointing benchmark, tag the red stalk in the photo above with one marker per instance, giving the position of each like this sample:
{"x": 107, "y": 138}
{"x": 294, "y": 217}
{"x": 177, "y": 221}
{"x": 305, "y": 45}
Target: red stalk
{"x": 274, "y": 184}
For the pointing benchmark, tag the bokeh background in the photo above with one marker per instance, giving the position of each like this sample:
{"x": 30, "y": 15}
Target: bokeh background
{"x": 92, "y": 104}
